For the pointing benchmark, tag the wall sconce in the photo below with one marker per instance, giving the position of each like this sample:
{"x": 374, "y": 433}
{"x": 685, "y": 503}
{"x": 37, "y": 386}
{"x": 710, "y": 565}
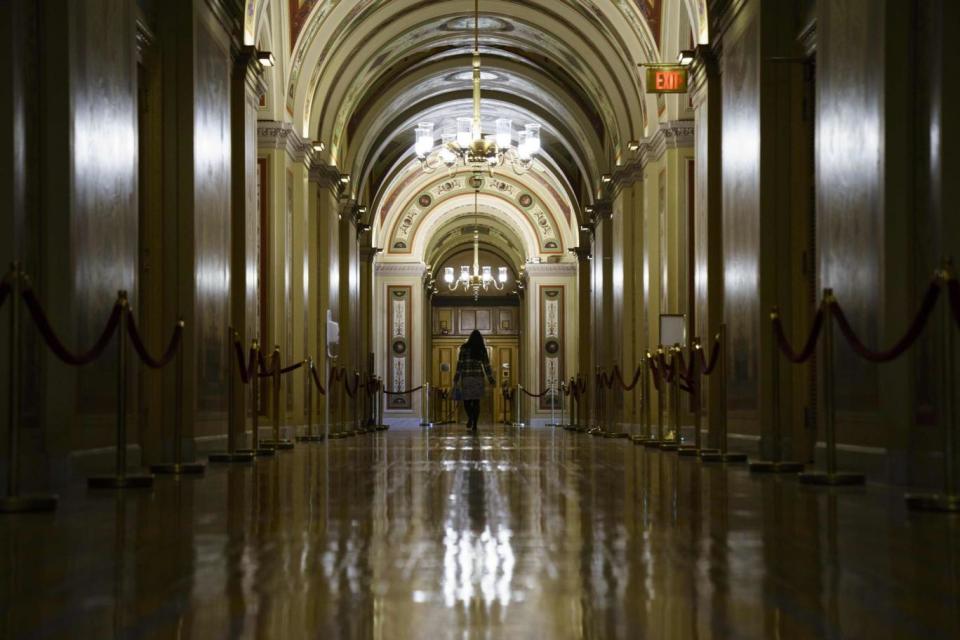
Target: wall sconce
{"x": 318, "y": 146}
{"x": 686, "y": 56}
{"x": 345, "y": 179}
{"x": 633, "y": 146}
{"x": 265, "y": 58}
{"x": 606, "y": 178}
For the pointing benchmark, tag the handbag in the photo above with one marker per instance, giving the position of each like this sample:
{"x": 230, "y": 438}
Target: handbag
{"x": 457, "y": 394}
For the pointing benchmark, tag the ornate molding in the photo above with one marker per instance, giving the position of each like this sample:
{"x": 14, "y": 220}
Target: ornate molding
{"x": 326, "y": 176}
{"x": 413, "y": 270}
{"x": 676, "y": 134}
{"x": 550, "y": 269}
{"x": 250, "y": 72}
{"x": 281, "y": 135}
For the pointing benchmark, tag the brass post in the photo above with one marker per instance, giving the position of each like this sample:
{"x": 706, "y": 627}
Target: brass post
{"x": 256, "y": 448}
{"x": 723, "y": 455}
{"x": 178, "y": 466}
{"x": 949, "y": 500}
{"x": 13, "y": 502}
{"x": 278, "y": 442}
{"x": 672, "y": 444}
{"x": 232, "y": 454}
{"x": 696, "y": 447}
{"x": 658, "y": 440}
{"x": 776, "y": 464}
{"x": 647, "y": 409}
{"x": 832, "y": 476}
{"x": 121, "y": 479}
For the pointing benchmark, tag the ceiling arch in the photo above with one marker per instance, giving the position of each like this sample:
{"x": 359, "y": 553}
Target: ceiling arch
{"x": 360, "y": 73}
{"x": 534, "y": 201}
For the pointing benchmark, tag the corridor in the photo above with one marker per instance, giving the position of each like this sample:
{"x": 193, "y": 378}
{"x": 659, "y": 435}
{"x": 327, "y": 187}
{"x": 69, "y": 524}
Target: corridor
{"x": 512, "y": 533}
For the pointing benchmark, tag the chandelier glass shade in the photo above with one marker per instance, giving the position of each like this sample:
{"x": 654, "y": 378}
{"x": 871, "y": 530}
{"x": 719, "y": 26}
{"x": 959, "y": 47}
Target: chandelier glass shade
{"x": 468, "y": 147}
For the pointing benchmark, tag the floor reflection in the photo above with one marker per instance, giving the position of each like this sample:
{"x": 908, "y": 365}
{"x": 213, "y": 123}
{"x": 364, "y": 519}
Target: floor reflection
{"x": 504, "y": 534}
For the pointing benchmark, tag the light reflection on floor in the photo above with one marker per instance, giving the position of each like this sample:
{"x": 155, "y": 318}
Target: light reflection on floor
{"x": 507, "y": 534}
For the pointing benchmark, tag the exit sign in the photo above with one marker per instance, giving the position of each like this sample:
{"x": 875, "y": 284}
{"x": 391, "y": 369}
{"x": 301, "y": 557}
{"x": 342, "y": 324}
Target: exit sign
{"x": 667, "y": 79}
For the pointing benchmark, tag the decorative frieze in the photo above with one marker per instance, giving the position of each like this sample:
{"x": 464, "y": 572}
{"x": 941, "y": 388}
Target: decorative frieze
{"x": 676, "y": 134}
{"x": 410, "y": 269}
{"x": 282, "y": 135}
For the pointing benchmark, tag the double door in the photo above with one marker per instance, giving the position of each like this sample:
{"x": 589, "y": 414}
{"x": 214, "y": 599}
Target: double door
{"x": 504, "y": 358}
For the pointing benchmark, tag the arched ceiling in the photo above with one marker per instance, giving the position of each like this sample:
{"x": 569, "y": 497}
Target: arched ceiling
{"x": 364, "y": 72}
{"x": 534, "y": 211}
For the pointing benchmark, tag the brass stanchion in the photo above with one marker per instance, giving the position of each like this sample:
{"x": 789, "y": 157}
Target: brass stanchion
{"x": 518, "y": 404}
{"x": 310, "y": 435}
{"x": 121, "y": 479}
{"x": 949, "y": 500}
{"x": 178, "y": 466}
{"x": 724, "y": 455}
{"x": 697, "y": 387}
{"x": 694, "y": 449}
{"x": 831, "y": 476}
{"x": 233, "y": 454}
{"x": 13, "y": 502}
{"x": 381, "y": 400}
{"x": 256, "y": 448}
{"x": 278, "y": 443}
{"x": 672, "y": 444}
{"x": 776, "y": 464}
{"x": 425, "y": 406}
{"x": 656, "y": 438}
{"x": 355, "y": 404}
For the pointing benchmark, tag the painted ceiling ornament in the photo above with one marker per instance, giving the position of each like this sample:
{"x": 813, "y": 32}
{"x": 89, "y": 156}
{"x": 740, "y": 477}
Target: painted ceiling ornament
{"x": 468, "y": 147}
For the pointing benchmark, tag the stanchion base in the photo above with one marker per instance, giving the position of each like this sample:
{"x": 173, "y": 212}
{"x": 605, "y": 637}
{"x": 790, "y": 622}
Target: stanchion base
{"x": 383, "y": 427}
{"x": 771, "y": 466}
{"x": 339, "y": 436}
{"x": 120, "y": 482}
{"x": 310, "y": 438}
{"x": 616, "y": 434}
{"x": 924, "y": 502}
{"x": 280, "y": 445}
{"x": 688, "y": 451}
{"x": 228, "y": 456}
{"x": 652, "y": 443}
{"x": 669, "y": 446}
{"x": 180, "y": 468}
{"x": 23, "y": 504}
{"x": 832, "y": 479}
{"x": 710, "y": 456}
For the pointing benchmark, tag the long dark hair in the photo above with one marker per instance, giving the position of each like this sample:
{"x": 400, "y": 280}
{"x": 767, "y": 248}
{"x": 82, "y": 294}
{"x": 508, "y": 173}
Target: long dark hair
{"x": 475, "y": 345}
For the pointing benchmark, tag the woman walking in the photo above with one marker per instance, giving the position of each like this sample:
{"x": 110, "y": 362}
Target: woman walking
{"x": 473, "y": 365}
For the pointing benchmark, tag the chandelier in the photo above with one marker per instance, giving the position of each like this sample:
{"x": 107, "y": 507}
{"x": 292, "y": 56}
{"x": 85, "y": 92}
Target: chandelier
{"x": 468, "y": 147}
{"x": 479, "y": 278}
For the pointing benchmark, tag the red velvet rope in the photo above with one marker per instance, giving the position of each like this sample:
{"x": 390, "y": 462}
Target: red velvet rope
{"x": 291, "y": 368}
{"x": 809, "y": 346}
{"x": 402, "y": 393}
{"x": 141, "y": 349}
{"x": 904, "y": 343}
{"x": 316, "y": 381}
{"x": 655, "y": 370}
{"x": 535, "y": 395}
{"x": 708, "y": 366}
{"x": 346, "y": 383}
{"x": 264, "y": 371}
{"x": 245, "y": 371}
{"x": 58, "y": 348}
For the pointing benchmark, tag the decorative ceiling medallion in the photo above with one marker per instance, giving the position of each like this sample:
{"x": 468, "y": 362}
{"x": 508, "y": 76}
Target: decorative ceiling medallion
{"x": 525, "y": 200}
{"x": 425, "y": 200}
{"x": 551, "y": 347}
{"x": 399, "y": 346}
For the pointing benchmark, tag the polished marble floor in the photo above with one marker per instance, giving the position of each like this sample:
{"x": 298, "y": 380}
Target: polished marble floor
{"x": 438, "y": 534}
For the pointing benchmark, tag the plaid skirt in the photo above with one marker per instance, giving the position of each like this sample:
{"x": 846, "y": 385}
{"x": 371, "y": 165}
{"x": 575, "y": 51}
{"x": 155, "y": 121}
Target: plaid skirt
{"x": 472, "y": 387}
